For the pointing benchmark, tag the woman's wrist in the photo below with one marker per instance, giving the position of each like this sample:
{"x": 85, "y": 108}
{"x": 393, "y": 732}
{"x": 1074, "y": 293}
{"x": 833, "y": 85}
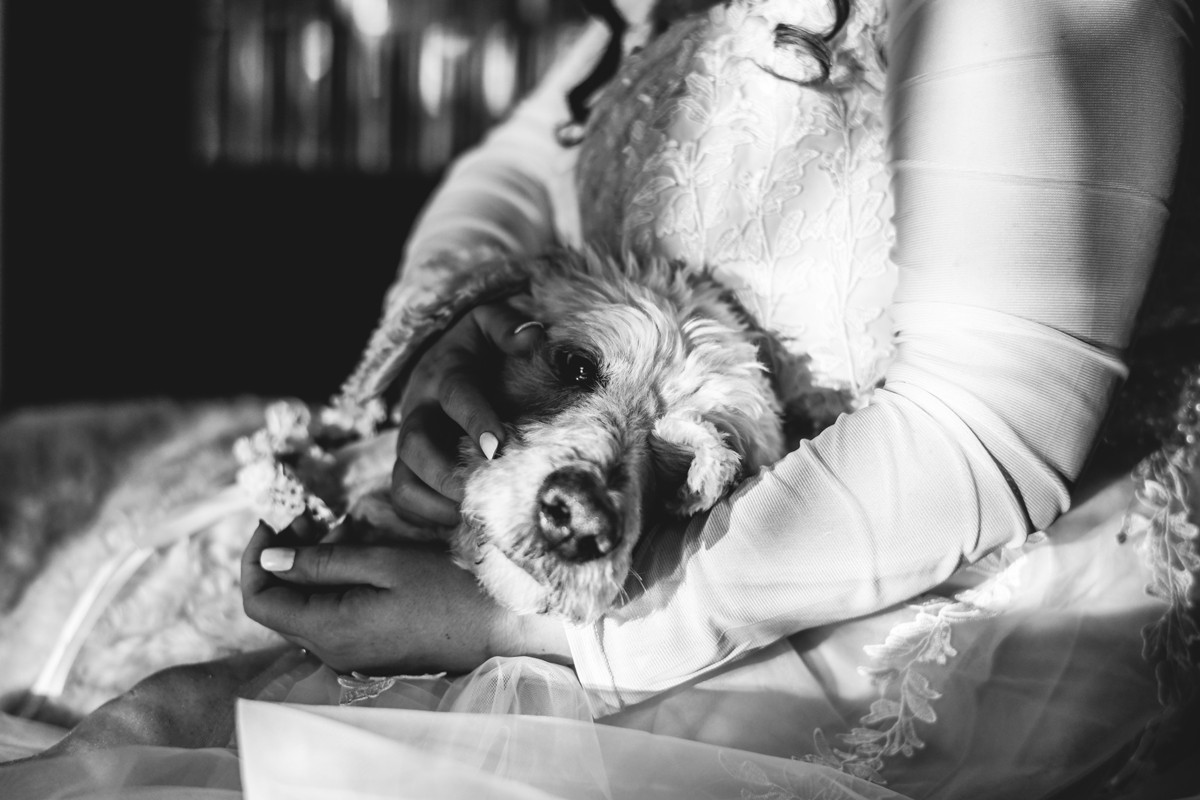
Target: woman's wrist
{"x": 538, "y": 635}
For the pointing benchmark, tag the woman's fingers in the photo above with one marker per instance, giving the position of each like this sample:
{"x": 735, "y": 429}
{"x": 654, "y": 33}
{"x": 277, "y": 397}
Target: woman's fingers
{"x": 266, "y": 599}
{"x": 463, "y": 401}
{"x": 254, "y": 578}
{"x": 508, "y": 330}
{"x": 417, "y": 504}
{"x": 330, "y": 565}
{"x": 462, "y": 389}
{"x": 295, "y": 612}
{"x": 427, "y": 444}
{"x": 308, "y": 593}
{"x": 447, "y": 396}
{"x": 386, "y": 525}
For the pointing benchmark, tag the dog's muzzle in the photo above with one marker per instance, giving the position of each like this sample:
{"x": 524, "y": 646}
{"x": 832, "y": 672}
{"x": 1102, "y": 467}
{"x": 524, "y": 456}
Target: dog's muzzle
{"x": 575, "y": 517}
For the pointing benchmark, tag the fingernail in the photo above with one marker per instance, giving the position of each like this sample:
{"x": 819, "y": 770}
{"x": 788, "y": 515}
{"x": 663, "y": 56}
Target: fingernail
{"x": 488, "y": 444}
{"x": 530, "y": 324}
{"x": 277, "y": 559}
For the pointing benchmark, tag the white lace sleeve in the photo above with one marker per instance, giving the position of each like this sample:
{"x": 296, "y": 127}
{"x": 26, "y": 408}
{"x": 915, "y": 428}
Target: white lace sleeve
{"x": 1033, "y": 151}
{"x": 512, "y": 195}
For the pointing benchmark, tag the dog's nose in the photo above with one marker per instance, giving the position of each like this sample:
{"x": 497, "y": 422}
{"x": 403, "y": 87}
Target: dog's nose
{"x": 575, "y": 516}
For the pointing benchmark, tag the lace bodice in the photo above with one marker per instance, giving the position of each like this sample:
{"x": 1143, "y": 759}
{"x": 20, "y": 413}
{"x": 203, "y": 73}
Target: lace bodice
{"x": 706, "y": 148}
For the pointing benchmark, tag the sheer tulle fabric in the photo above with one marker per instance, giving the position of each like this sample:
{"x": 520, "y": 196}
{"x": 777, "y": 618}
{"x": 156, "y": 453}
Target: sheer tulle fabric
{"x": 402, "y": 754}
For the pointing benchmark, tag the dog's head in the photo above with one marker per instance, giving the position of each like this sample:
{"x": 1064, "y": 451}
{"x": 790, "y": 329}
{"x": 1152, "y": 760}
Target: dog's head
{"x": 647, "y": 399}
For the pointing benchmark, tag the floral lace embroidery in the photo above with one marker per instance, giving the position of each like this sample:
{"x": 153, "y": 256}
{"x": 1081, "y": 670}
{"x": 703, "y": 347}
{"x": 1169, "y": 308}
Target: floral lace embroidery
{"x": 889, "y": 728}
{"x": 697, "y": 152}
{"x": 357, "y": 687}
{"x": 1169, "y": 542}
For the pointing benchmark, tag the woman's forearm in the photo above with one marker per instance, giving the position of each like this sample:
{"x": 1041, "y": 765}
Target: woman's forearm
{"x": 536, "y": 635}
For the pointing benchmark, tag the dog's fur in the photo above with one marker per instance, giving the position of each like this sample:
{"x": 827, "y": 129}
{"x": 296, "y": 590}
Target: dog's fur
{"x": 679, "y": 411}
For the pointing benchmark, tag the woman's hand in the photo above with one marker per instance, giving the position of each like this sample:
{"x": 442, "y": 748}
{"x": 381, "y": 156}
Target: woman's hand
{"x": 385, "y": 609}
{"x": 446, "y": 395}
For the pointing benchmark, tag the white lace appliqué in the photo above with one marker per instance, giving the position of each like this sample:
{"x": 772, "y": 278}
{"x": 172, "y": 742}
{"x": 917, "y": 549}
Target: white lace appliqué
{"x": 906, "y": 693}
{"x": 1170, "y": 548}
{"x": 781, "y": 188}
{"x": 1169, "y": 542}
{"x": 357, "y": 687}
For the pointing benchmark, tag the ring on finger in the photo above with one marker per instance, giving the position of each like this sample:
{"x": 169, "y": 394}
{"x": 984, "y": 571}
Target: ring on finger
{"x": 531, "y": 323}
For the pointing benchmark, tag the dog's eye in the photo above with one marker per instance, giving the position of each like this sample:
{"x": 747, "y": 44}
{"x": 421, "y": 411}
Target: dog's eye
{"x": 576, "y": 370}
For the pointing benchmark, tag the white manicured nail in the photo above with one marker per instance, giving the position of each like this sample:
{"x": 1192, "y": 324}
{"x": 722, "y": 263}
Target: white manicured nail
{"x": 529, "y": 324}
{"x": 277, "y": 559}
{"x": 488, "y": 444}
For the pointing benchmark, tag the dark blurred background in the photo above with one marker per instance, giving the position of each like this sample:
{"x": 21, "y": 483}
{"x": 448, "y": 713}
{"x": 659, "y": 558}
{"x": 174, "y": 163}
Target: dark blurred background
{"x": 203, "y": 198}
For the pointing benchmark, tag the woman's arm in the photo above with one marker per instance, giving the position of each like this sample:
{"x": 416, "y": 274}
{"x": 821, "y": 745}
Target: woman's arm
{"x": 1034, "y": 146}
{"x": 512, "y": 194}
{"x": 509, "y": 196}
{"x": 384, "y": 610}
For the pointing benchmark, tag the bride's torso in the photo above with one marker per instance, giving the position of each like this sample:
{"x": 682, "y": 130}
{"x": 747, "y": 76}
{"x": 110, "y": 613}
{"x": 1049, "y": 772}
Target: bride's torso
{"x": 702, "y": 149}
{"x": 707, "y": 147}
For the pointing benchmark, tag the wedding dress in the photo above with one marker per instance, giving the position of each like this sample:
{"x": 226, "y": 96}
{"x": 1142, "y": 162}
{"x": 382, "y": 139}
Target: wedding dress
{"x": 958, "y": 357}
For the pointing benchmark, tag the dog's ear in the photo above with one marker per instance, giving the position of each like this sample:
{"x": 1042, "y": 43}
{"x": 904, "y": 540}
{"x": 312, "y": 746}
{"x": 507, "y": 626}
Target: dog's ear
{"x": 401, "y": 336}
{"x": 713, "y": 467}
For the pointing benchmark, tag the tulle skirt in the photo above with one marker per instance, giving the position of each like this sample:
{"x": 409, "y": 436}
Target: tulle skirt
{"x": 1065, "y": 665}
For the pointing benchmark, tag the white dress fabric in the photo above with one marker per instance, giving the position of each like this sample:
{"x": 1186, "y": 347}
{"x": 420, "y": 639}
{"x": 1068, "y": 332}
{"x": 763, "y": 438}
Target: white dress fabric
{"x": 960, "y": 450}
{"x": 891, "y": 610}
{"x": 1024, "y": 676}
{"x": 1021, "y": 672}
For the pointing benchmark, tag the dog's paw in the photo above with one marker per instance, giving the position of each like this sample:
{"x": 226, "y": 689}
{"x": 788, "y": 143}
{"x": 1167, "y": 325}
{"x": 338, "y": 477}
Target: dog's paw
{"x": 714, "y": 468}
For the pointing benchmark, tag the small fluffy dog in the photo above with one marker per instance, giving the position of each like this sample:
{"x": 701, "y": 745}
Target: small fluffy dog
{"x": 121, "y": 534}
{"x": 649, "y": 399}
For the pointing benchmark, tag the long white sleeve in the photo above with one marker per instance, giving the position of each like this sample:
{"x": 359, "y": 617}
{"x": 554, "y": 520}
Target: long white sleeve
{"x": 1033, "y": 151}
{"x": 512, "y": 194}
